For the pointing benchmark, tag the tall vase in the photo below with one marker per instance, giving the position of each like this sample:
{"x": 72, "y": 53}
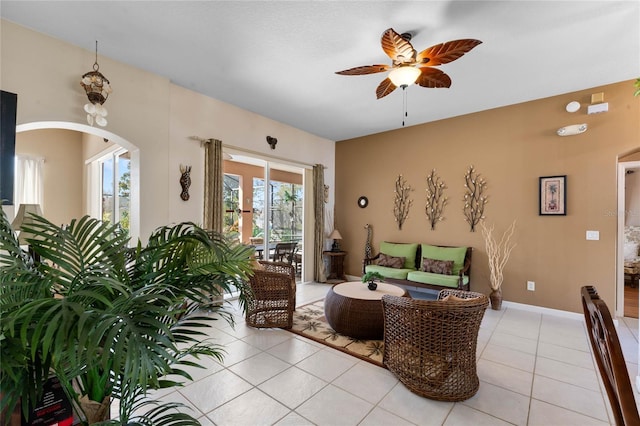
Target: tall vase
{"x": 496, "y": 299}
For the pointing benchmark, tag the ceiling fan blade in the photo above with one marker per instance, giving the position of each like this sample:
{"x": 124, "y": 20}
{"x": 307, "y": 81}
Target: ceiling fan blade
{"x": 397, "y": 48}
{"x": 384, "y": 88}
{"x": 446, "y": 52}
{"x": 365, "y": 69}
{"x": 433, "y": 78}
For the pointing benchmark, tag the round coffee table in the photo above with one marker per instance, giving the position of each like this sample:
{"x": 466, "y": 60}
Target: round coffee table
{"x": 355, "y": 311}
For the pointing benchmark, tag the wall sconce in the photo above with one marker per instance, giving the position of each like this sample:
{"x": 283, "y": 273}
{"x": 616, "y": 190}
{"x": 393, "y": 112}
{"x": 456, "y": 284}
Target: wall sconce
{"x": 574, "y": 129}
{"x": 97, "y": 88}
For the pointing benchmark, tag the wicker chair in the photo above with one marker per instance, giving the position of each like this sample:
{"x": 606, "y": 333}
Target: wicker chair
{"x": 271, "y": 301}
{"x": 282, "y": 268}
{"x": 430, "y": 345}
{"x": 609, "y": 357}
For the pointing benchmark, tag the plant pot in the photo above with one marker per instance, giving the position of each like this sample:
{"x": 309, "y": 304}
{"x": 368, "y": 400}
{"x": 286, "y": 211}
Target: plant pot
{"x": 496, "y": 299}
{"x": 96, "y": 411}
{"x": 372, "y": 285}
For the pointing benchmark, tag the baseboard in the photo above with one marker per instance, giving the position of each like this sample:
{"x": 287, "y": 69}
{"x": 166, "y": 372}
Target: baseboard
{"x": 514, "y": 305}
{"x": 542, "y": 310}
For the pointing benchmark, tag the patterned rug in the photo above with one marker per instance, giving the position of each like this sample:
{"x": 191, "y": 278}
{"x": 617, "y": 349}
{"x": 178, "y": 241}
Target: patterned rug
{"x": 309, "y": 321}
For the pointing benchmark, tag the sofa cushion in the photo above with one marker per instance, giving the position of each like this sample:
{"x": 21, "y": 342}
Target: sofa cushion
{"x": 385, "y": 271}
{"x": 390, "y": 261}
{"x": 436, "y": 279}
{"x": 437, "y": 266}
{"x": 456, "y": 254}
{"x": 408, "y": 251}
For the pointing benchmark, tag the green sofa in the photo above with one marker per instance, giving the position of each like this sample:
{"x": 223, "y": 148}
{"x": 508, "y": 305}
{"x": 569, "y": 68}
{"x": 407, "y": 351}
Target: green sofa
{"x": 457, "y": 262}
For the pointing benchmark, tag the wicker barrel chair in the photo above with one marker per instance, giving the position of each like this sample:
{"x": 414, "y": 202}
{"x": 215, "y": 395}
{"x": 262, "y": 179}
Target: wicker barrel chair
{"x": 282, "y": 268}
{"x": 430, "y": 345}
{"x": 271, "y": 301}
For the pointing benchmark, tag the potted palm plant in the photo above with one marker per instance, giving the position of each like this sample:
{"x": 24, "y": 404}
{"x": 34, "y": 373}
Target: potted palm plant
{"x": 107, "y": 320}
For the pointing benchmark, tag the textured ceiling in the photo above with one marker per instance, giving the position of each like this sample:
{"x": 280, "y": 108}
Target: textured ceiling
{"x": 278, "y": 59}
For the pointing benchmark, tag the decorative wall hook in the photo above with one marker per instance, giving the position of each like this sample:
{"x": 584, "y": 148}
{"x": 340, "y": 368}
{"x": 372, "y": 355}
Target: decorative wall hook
{"x": 185, "y": 181}
{"x": 272, "y": 142}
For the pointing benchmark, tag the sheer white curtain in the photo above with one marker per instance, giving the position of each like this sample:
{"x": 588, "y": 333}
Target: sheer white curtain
{"x": 28, "y": 180}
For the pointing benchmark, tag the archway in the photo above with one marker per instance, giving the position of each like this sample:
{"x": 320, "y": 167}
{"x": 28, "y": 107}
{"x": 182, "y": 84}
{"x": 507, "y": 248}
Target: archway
{"x": 134, "y": 208}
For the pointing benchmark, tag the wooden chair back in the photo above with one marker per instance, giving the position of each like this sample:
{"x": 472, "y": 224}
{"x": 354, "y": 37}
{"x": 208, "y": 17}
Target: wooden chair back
{"x": 609, "y": 357}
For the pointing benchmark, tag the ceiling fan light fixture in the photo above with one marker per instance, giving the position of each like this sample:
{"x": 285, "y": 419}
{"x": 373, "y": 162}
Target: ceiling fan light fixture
{"x": 404, "y": 76}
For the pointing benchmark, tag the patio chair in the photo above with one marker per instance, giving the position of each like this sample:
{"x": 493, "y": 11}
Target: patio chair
{"x": 284, "y": 252}
{"x": 271, "y": 301}
{"x": 430, "y": 345}
{"x": 609, "y": 357}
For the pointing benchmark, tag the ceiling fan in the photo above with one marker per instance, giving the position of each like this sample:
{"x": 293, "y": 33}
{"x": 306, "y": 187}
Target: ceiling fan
{"x": 408, "y": 66}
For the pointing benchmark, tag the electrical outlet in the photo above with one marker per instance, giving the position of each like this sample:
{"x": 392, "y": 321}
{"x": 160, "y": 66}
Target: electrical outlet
{"x": 531, "y": 286}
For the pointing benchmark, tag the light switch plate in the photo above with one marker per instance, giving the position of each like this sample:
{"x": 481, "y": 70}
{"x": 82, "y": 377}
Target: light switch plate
{"x": 593, "y": 235}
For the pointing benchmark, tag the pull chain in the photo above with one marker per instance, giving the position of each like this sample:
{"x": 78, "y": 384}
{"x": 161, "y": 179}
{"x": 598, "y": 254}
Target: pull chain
{"x": 404, "y": 103}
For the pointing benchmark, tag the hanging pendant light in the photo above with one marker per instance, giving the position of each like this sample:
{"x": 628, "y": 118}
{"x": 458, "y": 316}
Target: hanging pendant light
{"x": 97, "y": 88}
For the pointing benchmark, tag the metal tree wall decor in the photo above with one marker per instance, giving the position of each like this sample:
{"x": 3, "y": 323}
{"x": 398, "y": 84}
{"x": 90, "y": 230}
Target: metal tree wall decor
{"x": 474, "y": 198}
{"x": 435, "y": 199}
{"x": 402, "y": 203}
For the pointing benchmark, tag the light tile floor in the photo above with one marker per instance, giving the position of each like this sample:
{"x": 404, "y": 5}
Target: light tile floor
{"x": 534, "y": 370}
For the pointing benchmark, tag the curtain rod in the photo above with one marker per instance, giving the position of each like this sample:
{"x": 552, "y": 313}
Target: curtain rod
{"x": 260, "y": 154}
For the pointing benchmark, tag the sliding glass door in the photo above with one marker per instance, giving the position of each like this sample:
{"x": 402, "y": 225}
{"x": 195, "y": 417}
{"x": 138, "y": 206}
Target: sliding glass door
{"x": 264, "y": 206}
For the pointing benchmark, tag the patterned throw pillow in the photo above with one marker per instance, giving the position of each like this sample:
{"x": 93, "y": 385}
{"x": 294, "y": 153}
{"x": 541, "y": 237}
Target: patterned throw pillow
{"x": 390, "y": 261}
{"x": 444, "y": 267}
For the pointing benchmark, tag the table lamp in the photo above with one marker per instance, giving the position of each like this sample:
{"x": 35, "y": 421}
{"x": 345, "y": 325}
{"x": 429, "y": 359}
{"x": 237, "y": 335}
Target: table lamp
{"x": 24, "y": 217}
{"x": 335, "y": 236}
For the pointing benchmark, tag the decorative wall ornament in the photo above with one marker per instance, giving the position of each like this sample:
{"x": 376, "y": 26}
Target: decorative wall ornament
{"x": 185, "y": 181}
{"x": 272, "y": 142}
{"x": 368, "y": 254}
{"x": 97, "y": 88}
{"x": 553, "y": 195}
{"x": 474, "y": 198}
{"x": 435, "y": 199}
{"x": 402, "y": 202}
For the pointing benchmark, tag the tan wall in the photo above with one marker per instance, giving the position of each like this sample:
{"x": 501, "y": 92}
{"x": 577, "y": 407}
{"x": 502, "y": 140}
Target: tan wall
{"x": 511, "y": 148}
{"x": 62, "y": 171}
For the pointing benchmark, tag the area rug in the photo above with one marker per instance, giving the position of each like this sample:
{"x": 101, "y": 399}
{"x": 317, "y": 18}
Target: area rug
{"x": 309, "y": 321}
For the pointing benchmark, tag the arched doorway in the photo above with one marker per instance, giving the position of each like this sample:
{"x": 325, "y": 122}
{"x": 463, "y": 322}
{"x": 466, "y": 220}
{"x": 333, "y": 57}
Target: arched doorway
{"x": 134, "y": 158}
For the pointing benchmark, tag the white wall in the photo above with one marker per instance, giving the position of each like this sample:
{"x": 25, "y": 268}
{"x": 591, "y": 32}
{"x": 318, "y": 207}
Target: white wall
{"x": 632, "y": 198}
{"x": 149, "y": 112}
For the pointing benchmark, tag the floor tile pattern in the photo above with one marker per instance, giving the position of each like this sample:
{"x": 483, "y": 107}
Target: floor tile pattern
{"x": 534, "y": 369}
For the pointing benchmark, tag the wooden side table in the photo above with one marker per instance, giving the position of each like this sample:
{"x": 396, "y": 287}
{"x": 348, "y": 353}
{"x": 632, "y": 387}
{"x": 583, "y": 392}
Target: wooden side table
{"x": 336, "y": 265}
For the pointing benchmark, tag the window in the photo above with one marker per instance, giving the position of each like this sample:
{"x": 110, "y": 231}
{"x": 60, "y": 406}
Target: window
{"x": 115, "y": 187}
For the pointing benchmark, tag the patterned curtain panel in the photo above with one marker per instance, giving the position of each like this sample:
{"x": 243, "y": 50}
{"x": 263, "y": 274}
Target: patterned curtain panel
{"x": 213, "y": 179}
{"x": 318, "y": 205}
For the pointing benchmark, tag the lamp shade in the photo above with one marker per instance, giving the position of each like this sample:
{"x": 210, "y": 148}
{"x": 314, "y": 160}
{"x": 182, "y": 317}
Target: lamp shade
{"x": 335, "y": 235}
{"x": 25, "y": 217}
{"x": 404, "y": 76}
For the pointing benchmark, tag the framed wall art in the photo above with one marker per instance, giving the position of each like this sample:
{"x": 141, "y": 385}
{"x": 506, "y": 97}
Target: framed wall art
{"x": 553, "y": 195}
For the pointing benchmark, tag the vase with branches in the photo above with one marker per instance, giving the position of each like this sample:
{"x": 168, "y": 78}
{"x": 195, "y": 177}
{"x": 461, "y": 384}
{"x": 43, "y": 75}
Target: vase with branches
{"x": 498, "y": 252}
